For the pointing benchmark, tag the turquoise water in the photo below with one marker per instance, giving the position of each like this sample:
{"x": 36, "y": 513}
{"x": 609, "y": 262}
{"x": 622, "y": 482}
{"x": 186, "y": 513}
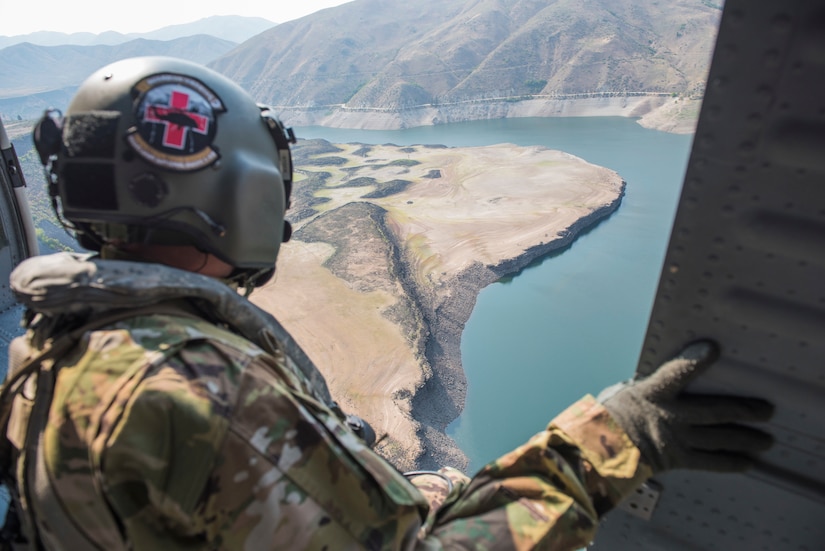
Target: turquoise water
{"x": 574, "y": 322}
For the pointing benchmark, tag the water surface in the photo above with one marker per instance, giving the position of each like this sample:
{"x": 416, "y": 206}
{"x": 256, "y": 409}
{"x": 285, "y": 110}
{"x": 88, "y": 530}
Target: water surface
{"x": 574, "y": 322}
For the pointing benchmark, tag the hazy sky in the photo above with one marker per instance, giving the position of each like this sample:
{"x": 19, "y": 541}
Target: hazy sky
{"x": 95, "y": 16}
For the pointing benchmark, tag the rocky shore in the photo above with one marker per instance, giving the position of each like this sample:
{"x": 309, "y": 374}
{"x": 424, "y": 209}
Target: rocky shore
{"x": 391, "y": 248}
{"x": 440, "y": 400}
{"x": 656, "y": 111}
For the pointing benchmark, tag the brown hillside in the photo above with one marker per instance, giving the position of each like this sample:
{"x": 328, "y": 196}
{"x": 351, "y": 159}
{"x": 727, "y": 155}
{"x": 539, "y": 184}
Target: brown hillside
{"x": 391, "y": 54}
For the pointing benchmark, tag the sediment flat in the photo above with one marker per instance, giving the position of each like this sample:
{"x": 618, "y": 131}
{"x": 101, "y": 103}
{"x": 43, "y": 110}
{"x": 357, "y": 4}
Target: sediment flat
{"x": 391, "y": 248}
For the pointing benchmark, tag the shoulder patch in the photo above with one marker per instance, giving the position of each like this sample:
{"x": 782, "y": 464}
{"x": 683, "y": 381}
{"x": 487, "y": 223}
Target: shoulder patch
{"x": 176, "y": 122}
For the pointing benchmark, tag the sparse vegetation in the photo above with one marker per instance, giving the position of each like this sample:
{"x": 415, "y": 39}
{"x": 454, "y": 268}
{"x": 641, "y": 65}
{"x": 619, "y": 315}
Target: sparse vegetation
{"x": 361, "y": 181}
{"x": 325, "y": 161}
{"x": 535, "y": 86}
{"x": 405, "y": 162}
{"x": 388, "y": 188}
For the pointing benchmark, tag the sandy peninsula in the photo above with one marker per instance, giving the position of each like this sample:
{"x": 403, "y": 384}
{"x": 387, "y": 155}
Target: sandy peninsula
{"x": 391, "y": 247}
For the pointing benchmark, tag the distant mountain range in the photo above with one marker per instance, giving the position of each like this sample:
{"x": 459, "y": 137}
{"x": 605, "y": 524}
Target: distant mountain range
{"x": 28, "y": 69}
{"x": 442, "y": 59}
{"x": 42, "y": 70}
{"x": 233, "y": 28}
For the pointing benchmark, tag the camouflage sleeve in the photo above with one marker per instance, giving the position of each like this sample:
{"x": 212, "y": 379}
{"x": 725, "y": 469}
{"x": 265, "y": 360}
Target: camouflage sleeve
{"x": 214, "y": 451}
{"x": 548, "y": 493}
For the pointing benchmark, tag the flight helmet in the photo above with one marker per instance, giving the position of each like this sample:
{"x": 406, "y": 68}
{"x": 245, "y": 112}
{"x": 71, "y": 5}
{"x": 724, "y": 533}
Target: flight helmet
{"x": 158, "y": 150}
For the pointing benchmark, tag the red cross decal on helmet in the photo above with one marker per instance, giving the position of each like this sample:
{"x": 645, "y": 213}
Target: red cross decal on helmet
{"x": 176, "y": 120}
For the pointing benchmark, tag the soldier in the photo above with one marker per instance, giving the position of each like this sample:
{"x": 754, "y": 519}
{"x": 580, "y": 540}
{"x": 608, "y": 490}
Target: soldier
{"x": 151, "y": 406}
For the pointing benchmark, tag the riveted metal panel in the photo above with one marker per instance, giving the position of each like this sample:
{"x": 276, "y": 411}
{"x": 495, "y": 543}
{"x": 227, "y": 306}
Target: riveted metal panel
{"x": 746, "y": 267}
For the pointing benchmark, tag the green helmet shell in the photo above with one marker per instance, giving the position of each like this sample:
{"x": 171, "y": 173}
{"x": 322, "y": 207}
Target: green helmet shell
{"x": 164, "y": 151}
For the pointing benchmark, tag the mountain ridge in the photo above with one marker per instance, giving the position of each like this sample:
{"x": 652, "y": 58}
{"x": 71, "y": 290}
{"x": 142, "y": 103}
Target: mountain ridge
{"x": 234, "y": 28}
{"x": 436, "y": 53}
{"x": 28, "y": 69}
{"x": 374, "y": 64}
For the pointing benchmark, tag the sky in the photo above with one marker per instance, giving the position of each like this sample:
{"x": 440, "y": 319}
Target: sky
{"x": 96, "y": 16}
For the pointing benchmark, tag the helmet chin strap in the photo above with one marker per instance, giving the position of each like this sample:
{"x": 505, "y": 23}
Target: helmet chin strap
{"x": 249, "y": 280}
{"x": 217, "y": 228}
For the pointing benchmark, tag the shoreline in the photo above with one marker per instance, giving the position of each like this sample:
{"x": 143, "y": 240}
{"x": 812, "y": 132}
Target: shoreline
{"x": 446, "y": 320}
{"x": 381, "y": 307}
{"x": 656, "y": 111}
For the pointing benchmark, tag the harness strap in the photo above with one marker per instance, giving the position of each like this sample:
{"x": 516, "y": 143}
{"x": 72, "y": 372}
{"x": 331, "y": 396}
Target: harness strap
{"x": 37, "y": 420}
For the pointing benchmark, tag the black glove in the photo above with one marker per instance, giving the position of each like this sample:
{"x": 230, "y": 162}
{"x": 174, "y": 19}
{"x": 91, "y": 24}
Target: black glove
{"x": 688, "y": 431}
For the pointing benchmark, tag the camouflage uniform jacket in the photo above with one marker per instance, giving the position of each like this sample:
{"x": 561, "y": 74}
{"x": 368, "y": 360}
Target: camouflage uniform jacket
{"x": 166, "y": 431}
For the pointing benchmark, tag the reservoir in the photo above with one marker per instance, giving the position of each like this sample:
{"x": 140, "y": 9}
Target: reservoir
{"x": 572, "y": 323}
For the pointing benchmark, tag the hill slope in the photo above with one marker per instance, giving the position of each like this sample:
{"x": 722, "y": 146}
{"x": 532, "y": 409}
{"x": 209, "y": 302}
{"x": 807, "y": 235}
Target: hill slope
{"x": 395, "y": 63}
{"x": 427, "y": 227}
{"x": 395, "y": 54}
